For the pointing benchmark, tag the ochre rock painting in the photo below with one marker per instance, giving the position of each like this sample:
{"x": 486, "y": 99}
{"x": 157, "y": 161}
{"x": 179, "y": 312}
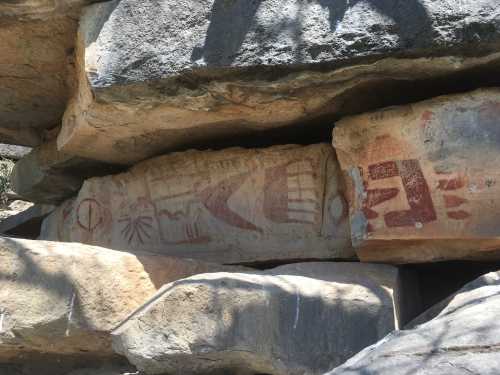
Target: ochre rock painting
{"x": 233, "y": 205}
{"x": 424, "y": 172}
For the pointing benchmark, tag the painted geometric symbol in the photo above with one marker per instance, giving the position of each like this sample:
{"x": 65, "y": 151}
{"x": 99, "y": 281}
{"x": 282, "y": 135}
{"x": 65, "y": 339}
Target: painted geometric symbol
{"x": 89, "y": 214}
{"x": 417, "y": 193}
{"x": 137, "y": 228}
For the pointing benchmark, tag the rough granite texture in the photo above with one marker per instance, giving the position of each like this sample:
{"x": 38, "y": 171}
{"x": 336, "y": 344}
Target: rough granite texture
{"x": 163, "y": 76}
{"x": 292, "y": 320}
{"x": 462, "y": 338}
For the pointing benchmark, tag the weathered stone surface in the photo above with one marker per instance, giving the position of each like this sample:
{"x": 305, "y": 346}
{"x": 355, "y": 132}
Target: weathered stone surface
{"x": 295, "y": 319}
{"x": 13, "y": 208}
{"x": 66, "y": 298}
{"x": 162, "y": 76}
{"x": 13, "y": 152}
{"x": 46, "y": 175}
{"x": 422, "y": 179}
{"x": 26, "y": 223}
{"x": 230, "y": 206}
{"x": 462, "y": 339}
{"x": 37, "y": 40}
{"x": 34, "y": 66}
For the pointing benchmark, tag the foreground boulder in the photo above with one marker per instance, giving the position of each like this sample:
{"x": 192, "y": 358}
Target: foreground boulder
{"x": 463, "y": 338}
{"x": 422, "y": 179}
{"x": 46, "y": 175}
{"x": 66, "y": 298}
{"x": 161, "y": 76}
{"x": 229, "y": 206}
{"x": 296, "y": 319}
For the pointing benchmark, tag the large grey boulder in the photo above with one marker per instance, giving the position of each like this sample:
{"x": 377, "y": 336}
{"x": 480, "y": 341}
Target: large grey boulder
{"x": 462, "y": 338}
{"x": 296, "y": 319}
{"x": 163, "y": 75}
{"x": 66, "y": 298}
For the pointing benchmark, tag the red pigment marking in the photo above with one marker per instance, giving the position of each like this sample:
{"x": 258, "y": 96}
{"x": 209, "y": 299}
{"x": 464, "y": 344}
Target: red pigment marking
{"x": 136, "y": 228}
{"x": 427, "y": 115}
{"x": 426, "y": 118}
{"x": 93, "y": 210}
{"x": 67, "y": 211}
{"x": 458, "y": 215}
{"x": 451, "y": 184}
{"x": 418, "y": 195}
{"x": 369, "y": 213}
{"x": 215, "y": 199}
{"x": 383, "y": 170}
{"x": 452, "y": 201}
{"x": 375, "y": 197}
{"x": 369, "y": 228}
{"x": 276, "y": 202}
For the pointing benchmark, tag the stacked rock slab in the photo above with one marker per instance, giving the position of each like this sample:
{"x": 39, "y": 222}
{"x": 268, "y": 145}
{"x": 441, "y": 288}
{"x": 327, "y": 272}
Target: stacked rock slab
{"x": 65, "y": 299}
{"x": 230, "y": 206}
{"x": 462, "y": 339}
{"x": 422, "y": 179}
{"x": 46, "y": 175}
{"x": 157, "y": 77}
{"x": 295, "y": 319}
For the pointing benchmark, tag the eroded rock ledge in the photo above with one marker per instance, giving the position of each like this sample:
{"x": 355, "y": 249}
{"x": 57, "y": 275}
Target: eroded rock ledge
{"x": 145, "y": 88}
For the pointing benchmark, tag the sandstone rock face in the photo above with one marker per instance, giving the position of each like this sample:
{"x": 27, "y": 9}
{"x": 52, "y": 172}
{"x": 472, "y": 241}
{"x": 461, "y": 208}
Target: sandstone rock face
{"x": 461, "y": 339}
{"x": 34, "y": 66}
{"x": 295, "y": 319}
{"x": 37, "y": 40}
{"x": 422, "y": 179}
{"x": 229, "y": 206}
{"x": 66, "y": 298}
{"x": 46, "y": 175}
{"x": 156, "y": 77}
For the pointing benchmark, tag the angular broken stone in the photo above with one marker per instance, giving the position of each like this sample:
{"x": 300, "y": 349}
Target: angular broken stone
{"x": 462, "y": 338}
{"x": 422, "y": 179}
{"x": 65, "y": 298}
{"x": 157, "y": 77}
{"x": 295, "y": 319}
{"x": 25, "y": 223}
{"x": 47, "y": 175}
{"x": 230, "y": 206}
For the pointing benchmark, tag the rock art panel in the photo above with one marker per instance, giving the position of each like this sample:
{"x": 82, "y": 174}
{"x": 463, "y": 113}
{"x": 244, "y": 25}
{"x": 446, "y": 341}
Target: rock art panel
{"x": 297, "y": 319}
{"x": 422, "y": 181}
{"x": 220, "y": 70}
{"x": 64, "y": 299}
{"x": 230, "y": 206}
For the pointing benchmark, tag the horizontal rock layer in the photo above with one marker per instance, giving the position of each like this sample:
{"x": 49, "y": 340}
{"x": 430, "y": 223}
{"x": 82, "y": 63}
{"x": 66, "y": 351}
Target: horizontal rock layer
{"x": 296, "y": 319}
{"x": 229, "y": 206}
{"x": 66, "y": 298}
{"x": 46, "y": 175}
{"x": 461, "y": 339}
{"x": 156, "y": 77}
{"x": 422, "y": 179}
